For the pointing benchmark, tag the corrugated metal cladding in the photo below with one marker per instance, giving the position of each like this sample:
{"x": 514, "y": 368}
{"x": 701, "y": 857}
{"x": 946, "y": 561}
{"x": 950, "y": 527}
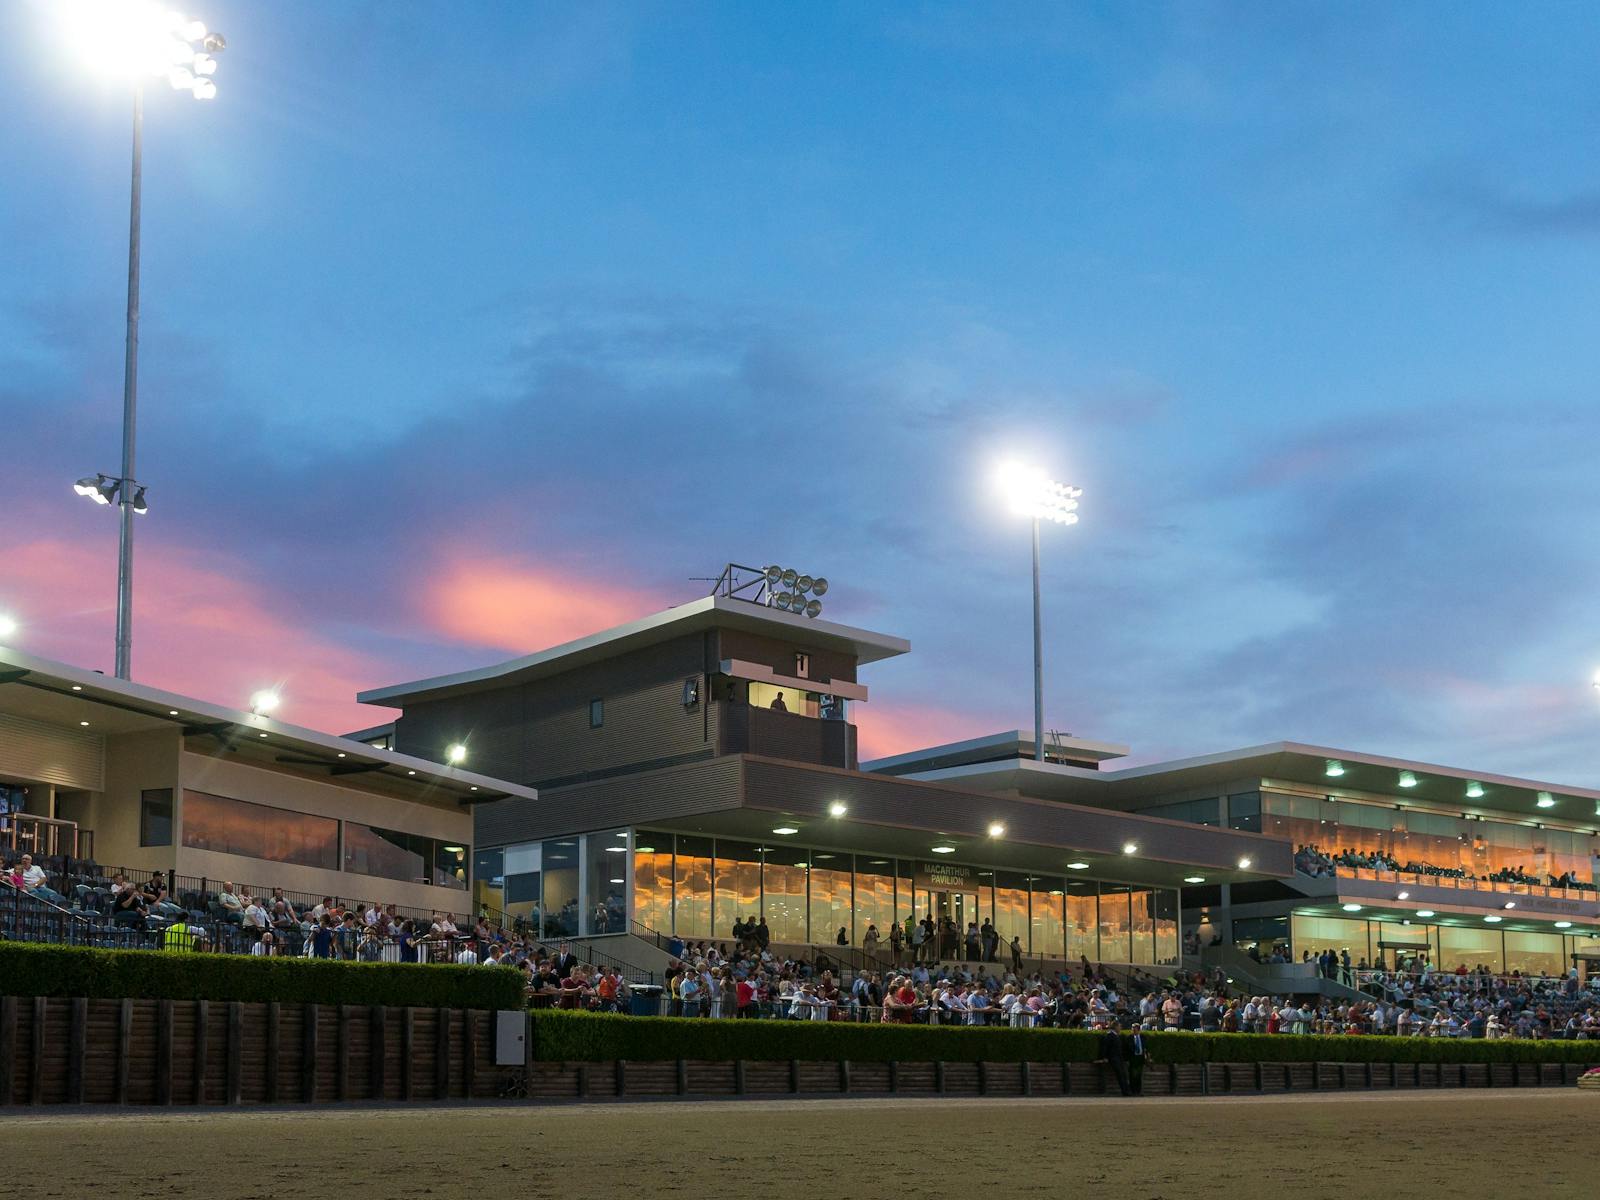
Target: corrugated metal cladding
{"x": 748, "y": 730}
{"x": 902, "y": 802}
{"x": 32, "y": 750}
{"x": 614, "y": 803}
{"x": 778, "y": 653}
{"x": 537, "y": 731}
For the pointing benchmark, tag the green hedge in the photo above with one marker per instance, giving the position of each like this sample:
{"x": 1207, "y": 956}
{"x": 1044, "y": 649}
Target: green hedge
{"x": 560, "y": 1036}
{"x": 31, "y": 969}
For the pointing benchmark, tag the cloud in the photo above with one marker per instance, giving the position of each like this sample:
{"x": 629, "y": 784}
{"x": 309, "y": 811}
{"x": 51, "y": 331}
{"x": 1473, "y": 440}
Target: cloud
{"x": 488, "y": 600}
{"x": 885, "y": 727}
{"x": 1469, "y": 200}
{"x": 202, "y": 627}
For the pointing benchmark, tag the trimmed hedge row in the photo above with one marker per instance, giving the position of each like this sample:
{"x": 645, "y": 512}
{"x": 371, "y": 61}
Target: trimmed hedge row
{"x": 32, "y": 969}
{"x": 560, "y": 1036}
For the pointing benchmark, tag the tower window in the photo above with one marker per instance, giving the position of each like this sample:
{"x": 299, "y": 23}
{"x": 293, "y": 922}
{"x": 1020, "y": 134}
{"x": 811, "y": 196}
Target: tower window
{"x": 597, "y": 713}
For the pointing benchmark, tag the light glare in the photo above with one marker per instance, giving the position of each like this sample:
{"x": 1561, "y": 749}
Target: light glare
{"x": 264, "y": 701}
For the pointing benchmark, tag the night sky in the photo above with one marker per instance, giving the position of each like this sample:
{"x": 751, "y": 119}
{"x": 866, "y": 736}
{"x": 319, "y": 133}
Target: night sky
{"x": 469, "y": 329}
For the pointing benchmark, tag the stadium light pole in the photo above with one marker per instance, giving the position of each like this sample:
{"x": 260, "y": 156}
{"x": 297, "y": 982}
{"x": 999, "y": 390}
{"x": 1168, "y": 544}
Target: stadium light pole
{"x": 136, "y": 40}
{"x": 1033, "y": 494}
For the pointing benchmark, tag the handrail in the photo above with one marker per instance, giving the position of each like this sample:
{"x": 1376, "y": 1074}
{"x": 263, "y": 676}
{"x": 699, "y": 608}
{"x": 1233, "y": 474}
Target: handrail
{"x": 18, "y": 893}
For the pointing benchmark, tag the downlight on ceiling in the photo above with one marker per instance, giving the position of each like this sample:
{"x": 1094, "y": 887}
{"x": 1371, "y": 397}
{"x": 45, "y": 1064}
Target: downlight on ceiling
{"x": 1408, "y": 779}
{"x": 1474, "y": 790}
{"x": 1194, "y": 878}
{"x": 1334, "y": 769}
{"x": 1545, "y": 800}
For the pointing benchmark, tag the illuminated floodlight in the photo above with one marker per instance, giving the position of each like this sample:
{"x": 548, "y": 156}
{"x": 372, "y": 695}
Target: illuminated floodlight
{"x": 137, "y": 40}
{"x": 1029, "y": 492}
{"x": 1334, "y": 769}
{"x": 1077, "y": 866}
{"x": 1194, "y": 878}
{"x": 1244, "y": 864}
{"x": 1424, "y": 912}
{"x": 455, "y": 754}
{"x": 996, "y": 829}
{"x": 1130, "y": 847}
{"x": 1563, "y": 924}
{"x": 102, "y": 489}
{"x": 1408, "y": 779}
{"x": 1403, "y": 896}
{"x": 1474, "y": 790}
{"x": 1493, "y": 919}
{"x": 1545, "y": 800}
{"x": 8, "y": 626}
{"x": 838, "y": 808}
{"x": 264, "y": 701}
{"x": 785, "y": 830}
{"x": 944, "y": 849}
{"x": 1351, "y": 907}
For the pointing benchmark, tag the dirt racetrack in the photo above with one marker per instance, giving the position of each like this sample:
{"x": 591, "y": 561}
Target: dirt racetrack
{"x": 1245, "y": 1148}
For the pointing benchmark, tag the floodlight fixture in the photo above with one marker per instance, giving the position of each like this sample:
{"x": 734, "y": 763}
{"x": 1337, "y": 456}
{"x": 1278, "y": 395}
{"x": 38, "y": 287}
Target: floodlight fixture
{"x": 996, "y": 829}
{"x": 1333, "y": 769}
{"x": 790, "y": 577}
{"x": 813, "y": 607}
{"x": 102, "y": 489}
{"x": 1545, "y": 800}
{"x": 1408, "y": 779}
{"x": 1194, "y": 878}
{"x": 8, "y": 626}
{"x": 1474, "y": 790}
{"x": 774, "y": 574}
{"x": 837, "y": 809}
{"x": 455, "y": 754}
{"x": 264, "y": 701}
{"x": 1244, "y": 864}
{"x": 819, "y": 586}
{"x": 803, "y": 583}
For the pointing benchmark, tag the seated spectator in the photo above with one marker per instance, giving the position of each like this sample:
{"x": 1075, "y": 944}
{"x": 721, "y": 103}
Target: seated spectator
{"x": 34, "y": 881}
{"x": 254, "y": 919}
{"x": 128, "y": 908}
{"x": 232, "y": 906}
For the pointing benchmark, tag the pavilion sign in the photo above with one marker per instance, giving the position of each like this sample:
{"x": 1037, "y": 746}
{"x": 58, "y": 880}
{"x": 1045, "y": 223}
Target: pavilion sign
{"x": 946, "y": 877}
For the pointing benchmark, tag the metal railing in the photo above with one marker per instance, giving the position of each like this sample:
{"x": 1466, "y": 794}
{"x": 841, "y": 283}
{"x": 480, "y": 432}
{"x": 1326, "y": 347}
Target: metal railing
{"x": 44, "y": 837}
{"x": 1498, "y": 887}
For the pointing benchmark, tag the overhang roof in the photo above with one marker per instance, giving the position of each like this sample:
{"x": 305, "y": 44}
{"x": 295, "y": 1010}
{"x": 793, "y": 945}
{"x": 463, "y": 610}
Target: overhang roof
{"x": 1292, "y": 765}
{"x": 708, "y": 612}
{"x": 55, "y": 693}
{"x": 1013, "y": 744}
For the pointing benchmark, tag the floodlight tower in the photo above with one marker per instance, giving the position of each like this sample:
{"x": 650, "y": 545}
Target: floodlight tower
{"x": 1031, "y": 493}
{"x": 136, "y": 40}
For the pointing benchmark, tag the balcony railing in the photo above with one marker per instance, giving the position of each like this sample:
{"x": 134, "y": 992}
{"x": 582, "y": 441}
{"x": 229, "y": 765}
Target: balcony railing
{"x": 43, "y": 837}
{"x": 1479, "y": 886}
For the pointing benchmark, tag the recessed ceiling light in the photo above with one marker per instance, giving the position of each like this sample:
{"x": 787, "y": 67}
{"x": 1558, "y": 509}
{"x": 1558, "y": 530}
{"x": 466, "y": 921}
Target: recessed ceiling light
{"x": 652, "y": 849}
{"x": 1351, "y": 907}
{"x": 1424, "y": 912}
{"x": 1474, "y": 790}
{"x": 410, "y": 772}
{"x": 473, "y": 788}
{"x": 616, "y": 849}
{"x": 1493, "y": 918}
{"x": 83, "y": 723}
{"x": 1194, "y": 878}
{"x": 837, "y": 809}
{"x": 1130, "y": 847}
{"x": 1408, "y": 779}
{"x": 1244, "y": 864}
{"x": 619, "y": 881}
{"x": 262, "y": 735}
{"x": 1403, "y": 896}
{"x": 77, "y": 687}
{"x": 1334, "y": 768}
{"x": 172, "y": 712}
{"x": 1545, "y": 800}
{"x": 996, "y": 829}
{"x": 1511, "y": 903}
{"x": 1563, "y": 924}
{"x": 944, "y": 849}
{"x": 821, "y": 857}
{"x": 1077, "y": 866}
{"x": 879, "y": 862}
{"x": 785, "y": 830}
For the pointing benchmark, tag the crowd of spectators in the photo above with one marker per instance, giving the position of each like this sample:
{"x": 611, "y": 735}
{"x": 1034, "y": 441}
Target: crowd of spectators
{"x": 1312, "y": 860}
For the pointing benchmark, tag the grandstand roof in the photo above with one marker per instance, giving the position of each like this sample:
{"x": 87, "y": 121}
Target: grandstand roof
{"x": 57, "y": 694}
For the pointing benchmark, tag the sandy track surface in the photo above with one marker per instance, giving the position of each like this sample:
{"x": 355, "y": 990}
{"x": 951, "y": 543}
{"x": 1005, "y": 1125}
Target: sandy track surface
{"x": 1308, "y": 1146}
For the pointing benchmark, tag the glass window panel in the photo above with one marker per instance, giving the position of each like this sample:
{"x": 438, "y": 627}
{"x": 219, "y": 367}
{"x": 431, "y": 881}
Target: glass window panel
{"x": 904, "y": 894}
{"x": 1047, "y": 900}
{"x": 1535, "y": 953}
{"x": 1167, "y": 928}
{"x": 1083, "y": 920}
{"x": 257, "y": 831}
{"x": 691, "y": 893}
{"x": 522, "y": 899}
{"x": 155, "y": 817}
{"x": 1114, "y": 926}
{"x": 874, "y": 896}
{"x": 1316, "y": 934}
{"x": 783, "y": 893}
{"x": 830, "y": 897}
{"x": 769, "y": 695}
{"x": 561, "y": 904}
{"x": 449, "y": 863}
{"x": 605, "y": 901}
{"x": 488, "y": 880}
{"x": 1142, "y": 926}
{"x": 652, "y": 880}
{"x": 738, "y": 885}
{"x": 1011, "y": 908}
{"x": 1472, "y": 948}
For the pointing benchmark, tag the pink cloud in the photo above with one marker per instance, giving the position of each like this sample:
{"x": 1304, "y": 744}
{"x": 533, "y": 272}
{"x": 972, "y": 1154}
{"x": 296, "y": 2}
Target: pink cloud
{"x": 201, "y": 628}
{"x": 509, "y": 605}
{"x": 885, "y": 727}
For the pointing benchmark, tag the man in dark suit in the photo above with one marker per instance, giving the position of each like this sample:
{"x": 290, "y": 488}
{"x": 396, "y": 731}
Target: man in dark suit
{"x": 1133, "y": 1053}
{"x": 1111, "y": 1055}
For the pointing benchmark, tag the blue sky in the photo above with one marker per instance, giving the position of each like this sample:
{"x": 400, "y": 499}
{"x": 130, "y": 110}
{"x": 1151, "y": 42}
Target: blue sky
{"x": 468, "y": 328}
